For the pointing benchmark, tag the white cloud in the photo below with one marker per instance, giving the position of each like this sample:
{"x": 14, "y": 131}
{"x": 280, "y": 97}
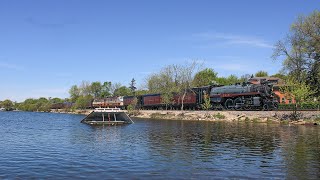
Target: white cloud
{"x": 232, "y": 39}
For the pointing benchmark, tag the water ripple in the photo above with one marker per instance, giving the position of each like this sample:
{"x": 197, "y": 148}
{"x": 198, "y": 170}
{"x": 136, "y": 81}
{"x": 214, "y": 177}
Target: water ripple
{"x": 58, "y": 146}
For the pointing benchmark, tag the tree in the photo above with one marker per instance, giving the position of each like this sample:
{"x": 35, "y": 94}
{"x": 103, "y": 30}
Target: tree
{"x": 206, "y": 104}
{"x": 106, "y": 88}
{"x": 56, "y": 100}
{"x": 173, "y": 79}
{"x": 204, "y": 78}
{"x": 184, "y": 79}
{"x": 114, "y": 87}
{"x": 7, "y": 104}
{"x": 164, "y": 82}
{"x": 96, "y": 89}
{"x": 85, "y": 88}
{"x": 133, "y": 85}
{"x": 300, "y": 51}
{"x": 83, "y": 102}
{"x": 232, "y": 79}
{"x": 245, "y": 78}
{"x": 122, "y": 91}
{"x": 261, "y": 74}
{"x": 74, "y": 93}
{"x": 280, "y": 75}
{"x": 300, "y": 91}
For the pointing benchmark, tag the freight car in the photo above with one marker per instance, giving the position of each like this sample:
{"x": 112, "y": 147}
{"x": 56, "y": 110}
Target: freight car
{"x": 109, "y": 102}
{"x": 192, "y": 100}
{"x": 154, "y": 101}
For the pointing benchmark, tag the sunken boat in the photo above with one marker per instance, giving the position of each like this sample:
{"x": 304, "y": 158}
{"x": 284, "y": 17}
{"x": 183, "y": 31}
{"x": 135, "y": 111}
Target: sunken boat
{"x": 107, "y": 116}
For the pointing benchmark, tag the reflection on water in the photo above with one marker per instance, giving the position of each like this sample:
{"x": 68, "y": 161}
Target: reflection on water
{"x": 43, "y": 145}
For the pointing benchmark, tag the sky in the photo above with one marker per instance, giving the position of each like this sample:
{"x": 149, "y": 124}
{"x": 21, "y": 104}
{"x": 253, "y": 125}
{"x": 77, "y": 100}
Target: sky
{"x": 46, "y": 46}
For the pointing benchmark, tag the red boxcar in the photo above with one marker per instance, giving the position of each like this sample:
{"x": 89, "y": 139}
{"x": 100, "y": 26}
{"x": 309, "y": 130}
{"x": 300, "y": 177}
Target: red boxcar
{"x": 190, "y": 98}
{"x": 127, "y": 100}
{"x": 152, "y": 100}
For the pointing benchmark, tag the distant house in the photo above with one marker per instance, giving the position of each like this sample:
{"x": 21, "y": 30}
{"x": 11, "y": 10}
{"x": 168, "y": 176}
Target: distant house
{"x": 2, "y": 109}
{"x": 277, "y": 84}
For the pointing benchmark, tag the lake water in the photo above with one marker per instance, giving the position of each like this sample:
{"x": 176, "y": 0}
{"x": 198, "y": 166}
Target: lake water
{"x": 58, "y": 146}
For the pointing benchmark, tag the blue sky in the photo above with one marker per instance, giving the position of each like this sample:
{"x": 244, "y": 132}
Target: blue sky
{"x": 46, "y": 46}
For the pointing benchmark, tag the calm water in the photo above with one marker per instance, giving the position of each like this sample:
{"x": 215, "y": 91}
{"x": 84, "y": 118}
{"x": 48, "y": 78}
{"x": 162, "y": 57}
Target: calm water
{"x": 58, "y": 146}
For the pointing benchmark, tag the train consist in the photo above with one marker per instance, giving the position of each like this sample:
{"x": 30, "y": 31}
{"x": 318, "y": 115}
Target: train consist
{"x": 246, "y": 96}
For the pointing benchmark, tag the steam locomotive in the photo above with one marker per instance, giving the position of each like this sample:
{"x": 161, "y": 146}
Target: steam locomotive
{"x": 245, "y": 96}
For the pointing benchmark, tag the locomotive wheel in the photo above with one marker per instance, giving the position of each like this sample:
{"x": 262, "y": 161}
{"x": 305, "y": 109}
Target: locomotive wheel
{"x": 229, "y": 104}
{"x": 275, "y": 106}
{"x": 247, "y": 107}
{"x": 238, "y": 100}
{"x": 265, "y": 107}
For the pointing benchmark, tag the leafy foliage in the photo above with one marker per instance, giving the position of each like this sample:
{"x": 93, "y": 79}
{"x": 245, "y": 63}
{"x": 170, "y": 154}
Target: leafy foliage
{"x": 41, "y": 104}
{"x": 301, "y": 51}
{"x": 206, "y": 104}
{"x": 7, "y": 104}
{"x": 204, "y": 78}
{"x": 261, "y": 74}
{"x": 122, "y": 91}
{"x": 83, "y": 102}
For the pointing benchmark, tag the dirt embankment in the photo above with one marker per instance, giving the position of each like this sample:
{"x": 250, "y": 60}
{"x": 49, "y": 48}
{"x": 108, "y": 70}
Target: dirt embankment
{"x": 306, "y": 117}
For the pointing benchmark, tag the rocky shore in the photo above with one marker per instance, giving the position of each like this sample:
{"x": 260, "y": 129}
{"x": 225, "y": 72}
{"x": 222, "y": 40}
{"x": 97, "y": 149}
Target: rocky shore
{"x": 305, "y": 117}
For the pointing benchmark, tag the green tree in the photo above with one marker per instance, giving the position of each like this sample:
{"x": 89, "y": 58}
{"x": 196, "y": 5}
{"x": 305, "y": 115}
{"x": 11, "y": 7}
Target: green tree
{"x": 173, "y": 79}
{"x": 280, "y": 75}
{"x": 122, "y": 91}
{"x": 245, "y": 78}
{"x": 114, "y": 87}
{"x": 83, "y": 102}
{"x": 184, "y": 77}
{"x": 96, "y": 89}
{"x": 141, "y": 92}
{"x": 232, "y": 79}
{"x": 300, "y": 91}
{"x": 74, "y": 93}
{"x": 85, "y": 88}
{"x": 204, "y": 78}
{"x": 261, "y": 74}
{"x": 133, "y": 86}
{"x": 164, "y": 82}
{"x": 56, "y": 100}
{"x": 7, "y": 104}
{"x": 206, "y": 105}
{"x": 106, "y": 88}
{"x": 300, "y": 51}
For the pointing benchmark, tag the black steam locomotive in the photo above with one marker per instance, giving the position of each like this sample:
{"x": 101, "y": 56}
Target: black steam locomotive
{"x": 244, "y": 96}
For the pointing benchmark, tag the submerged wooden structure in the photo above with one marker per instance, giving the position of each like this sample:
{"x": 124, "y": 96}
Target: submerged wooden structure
{"x": 108, "y": 116}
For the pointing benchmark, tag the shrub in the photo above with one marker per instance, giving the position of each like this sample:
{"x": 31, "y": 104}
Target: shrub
{"x": 219, "y": 116}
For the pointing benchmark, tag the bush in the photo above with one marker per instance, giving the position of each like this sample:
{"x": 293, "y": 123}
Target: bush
{"x": 219, "y": 116}
{"x": 302, "y": 106}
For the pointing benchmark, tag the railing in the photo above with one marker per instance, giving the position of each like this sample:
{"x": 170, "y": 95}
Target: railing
{"x": 107, "y": 110}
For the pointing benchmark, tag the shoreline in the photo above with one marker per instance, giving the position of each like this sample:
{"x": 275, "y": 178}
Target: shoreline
{"x": 307, "y": 117}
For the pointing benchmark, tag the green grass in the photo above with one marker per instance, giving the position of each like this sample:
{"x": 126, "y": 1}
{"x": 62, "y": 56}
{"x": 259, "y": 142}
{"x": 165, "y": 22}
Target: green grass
{"x": 219, "y": 116}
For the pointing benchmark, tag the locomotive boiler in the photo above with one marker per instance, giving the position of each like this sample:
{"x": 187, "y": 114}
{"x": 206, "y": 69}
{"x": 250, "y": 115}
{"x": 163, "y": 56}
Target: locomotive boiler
{"x": 244, "y": 96}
